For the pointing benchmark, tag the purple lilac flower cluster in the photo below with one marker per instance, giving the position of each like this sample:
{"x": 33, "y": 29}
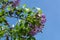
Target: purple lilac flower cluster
{"x": 36, "y": 28}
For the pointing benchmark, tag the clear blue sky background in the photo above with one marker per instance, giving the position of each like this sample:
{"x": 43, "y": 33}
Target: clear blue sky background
{"x": 51, "y": 9}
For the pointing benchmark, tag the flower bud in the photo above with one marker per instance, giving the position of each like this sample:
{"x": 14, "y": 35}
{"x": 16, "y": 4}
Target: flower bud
{"x": 3, "y": 28}
{"x": 39, "y": 15}
{"x": 43, "y": 15}
{"x": 38, "y": 8}
{"x": 27, "y": 9}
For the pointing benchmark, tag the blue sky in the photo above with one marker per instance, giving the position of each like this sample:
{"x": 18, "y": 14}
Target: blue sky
{"x": 51, "y": 8}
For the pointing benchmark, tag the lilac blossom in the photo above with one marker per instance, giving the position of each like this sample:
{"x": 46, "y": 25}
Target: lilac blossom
{"x": 43, "y": 18}
{"x": 16, "y": 3}
{"x": 33, "y": 32}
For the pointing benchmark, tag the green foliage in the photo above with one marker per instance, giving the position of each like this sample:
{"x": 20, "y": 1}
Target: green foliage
{"x": 22, "y": 30}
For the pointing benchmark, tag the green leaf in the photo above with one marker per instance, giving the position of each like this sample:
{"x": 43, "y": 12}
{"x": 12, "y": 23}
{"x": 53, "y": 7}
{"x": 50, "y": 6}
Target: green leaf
{"x": 40, "y": 12}
{"x": 9, "y": 8}
{"x": 31, "y": 38}
{"x": 24, "y": 5}
{"x": 2, "y": 33}
{"x": 5, "y": 0}
{"x": 1, "y": 1}
{"x": 0, "y": 14}
{"x": 1, "y": 20}
{"x": 16, "y": 27}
